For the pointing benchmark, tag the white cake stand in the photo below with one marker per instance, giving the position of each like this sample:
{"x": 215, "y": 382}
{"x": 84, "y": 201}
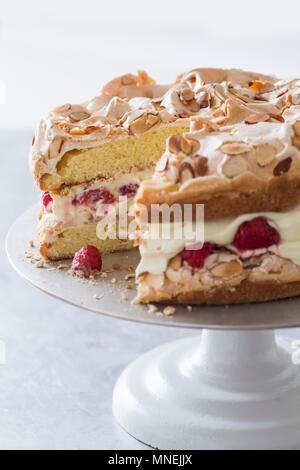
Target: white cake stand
{"x": 233, "y": 387}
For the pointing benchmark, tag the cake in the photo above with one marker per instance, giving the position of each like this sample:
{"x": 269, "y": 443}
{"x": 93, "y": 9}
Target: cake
{"x": 84, "y": 156}
{"x": 241, "y": 161}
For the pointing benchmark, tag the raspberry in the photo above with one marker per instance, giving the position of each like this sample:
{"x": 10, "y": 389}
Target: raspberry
{"x": 86, "y": 260}
{"x": 196, "y": 258}
{"x": 91, "y": 197}
{"x": 46, "y": 199}
{"x": 255, "y": 234}
{"x": 129, "y": 190}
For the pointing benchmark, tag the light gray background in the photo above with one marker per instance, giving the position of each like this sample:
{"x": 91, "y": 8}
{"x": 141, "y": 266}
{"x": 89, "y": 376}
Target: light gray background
{"x": 62, "y": 363}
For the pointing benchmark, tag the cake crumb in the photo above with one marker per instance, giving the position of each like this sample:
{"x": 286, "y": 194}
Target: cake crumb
{"x": 62, "y": 266}
{"x": 117, "y": 266}
{"x": 113, "y": 280}
{"x": 129, "y": 286}
{"x": 40, "y": 263}
{"x": 169, "y": 310}
{"x": 104, "y": 275}
{"x": 189, "y": 308}
{"x": 31, "y": 243}
{"x": 152, "y": 308}
{"x": 129, "y": 276}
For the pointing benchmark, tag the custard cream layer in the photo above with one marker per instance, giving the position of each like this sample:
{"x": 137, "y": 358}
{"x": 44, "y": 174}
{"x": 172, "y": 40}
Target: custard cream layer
{"x": 156, "y": 253}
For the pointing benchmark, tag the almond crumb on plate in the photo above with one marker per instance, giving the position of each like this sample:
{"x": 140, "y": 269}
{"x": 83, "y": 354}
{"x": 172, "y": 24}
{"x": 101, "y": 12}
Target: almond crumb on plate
{"x": 113, "y": 280}
{"x": 169, "y": 310}
{"x": 40, "y": 263}
{"x": 152, "y": 308}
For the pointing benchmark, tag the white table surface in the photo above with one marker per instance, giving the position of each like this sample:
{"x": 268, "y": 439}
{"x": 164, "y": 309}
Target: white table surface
{"x": 62, "y": 362}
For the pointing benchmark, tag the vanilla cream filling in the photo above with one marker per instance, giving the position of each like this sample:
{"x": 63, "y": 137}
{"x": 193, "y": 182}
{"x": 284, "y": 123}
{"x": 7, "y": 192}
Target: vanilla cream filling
{"x": 156, "y": 253}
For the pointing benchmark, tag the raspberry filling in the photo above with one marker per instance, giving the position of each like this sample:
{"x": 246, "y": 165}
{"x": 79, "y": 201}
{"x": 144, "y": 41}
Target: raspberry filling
{"x": 196, "y": 258}
{"x": 256, "y": 234}
{"x": 92, "y": 197}
{"x": 46, "y": 199}
{"x": 87, "y": 260}
{"x": 129, "y": 190}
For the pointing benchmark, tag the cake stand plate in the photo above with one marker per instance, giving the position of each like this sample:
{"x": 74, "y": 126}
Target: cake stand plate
{"x": 235, "y": 386}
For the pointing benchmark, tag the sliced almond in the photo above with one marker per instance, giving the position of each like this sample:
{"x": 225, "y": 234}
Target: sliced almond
{"x": 79, "y": 116}
{"x": 63, "y": 109}
{"x": 186, "y": 172}
{"x": 282, "y": 167}
{"x": 201, "y": 166}
{"x": 143, "y": 123}
{"x": 227, "y": 270}
{"x": 235, "y": 148}
{"x": 297, "y": 128}
{"x": 256, "y": 118}
{"x": 186, "y": 94}
{"x": 169, "y": 310}
{"x": 174, "y": 144}
{"x": 234, "y": 166}
{"x": 265, "y": 154}
{"x": 189, "y": 146}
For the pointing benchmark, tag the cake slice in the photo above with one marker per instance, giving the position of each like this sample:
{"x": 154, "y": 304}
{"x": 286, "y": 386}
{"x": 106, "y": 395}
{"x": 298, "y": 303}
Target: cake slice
{"x": 247, "y": 177}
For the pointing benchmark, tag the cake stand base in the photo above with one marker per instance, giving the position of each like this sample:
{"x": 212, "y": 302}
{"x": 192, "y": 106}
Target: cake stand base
{"x": 222, "y": 390}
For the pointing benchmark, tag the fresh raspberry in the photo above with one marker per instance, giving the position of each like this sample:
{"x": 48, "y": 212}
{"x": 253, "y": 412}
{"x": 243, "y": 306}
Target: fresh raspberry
{"x": 256, "y": 234}
{"x": 129, "y": 190}
{"x": 46, "y": 199}
{"x": 90, "y": 198}
{"x": 196, "y": 258}
{"x": 87, "y": 260}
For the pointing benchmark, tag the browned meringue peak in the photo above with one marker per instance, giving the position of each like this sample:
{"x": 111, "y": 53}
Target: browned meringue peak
{"x": 134, "y": 104}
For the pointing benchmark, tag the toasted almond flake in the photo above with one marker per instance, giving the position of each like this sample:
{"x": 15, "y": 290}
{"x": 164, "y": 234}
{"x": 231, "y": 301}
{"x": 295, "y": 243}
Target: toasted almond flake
{"x": 189, "y": 146}
{"x": 79, "y": 116}
{"x": 265, "y": 154}
{"x": 234, "y": 166}
{"x": 227, "y": 270}
{"x": 235, "y": 148}
{"x": 55, "y": 147}
{"x": 104, "y": 275}
{"x": 186, "y": 94}
{"x": 63, "y": 109}
{"x": 129, "y": 276}
{"x": 40, "y": 263}
{"x": 168, "y": 311}
{"x": 185, "y": 172}
{"x": 143, "y": 123}
{"x": 173, "y": 144}
{"x": 256, "y": 118}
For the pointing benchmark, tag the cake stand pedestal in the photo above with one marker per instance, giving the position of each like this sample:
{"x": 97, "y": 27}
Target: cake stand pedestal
{"x": 221, "y": 390}
{"x": 233, "y": 387}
